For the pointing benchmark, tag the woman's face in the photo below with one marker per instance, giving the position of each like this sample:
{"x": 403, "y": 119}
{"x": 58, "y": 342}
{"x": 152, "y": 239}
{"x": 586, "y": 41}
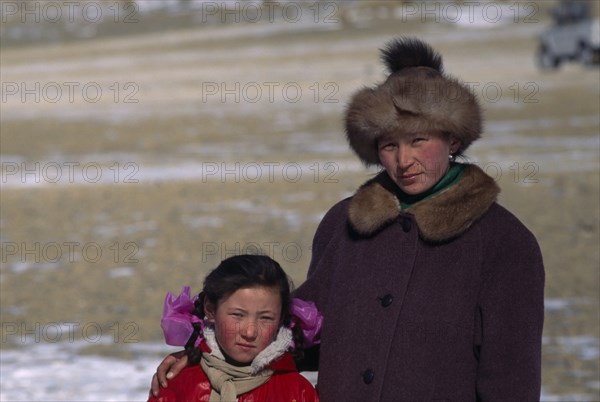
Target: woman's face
{"x": 246, "y": 322}
{"x": 416, "y": 162}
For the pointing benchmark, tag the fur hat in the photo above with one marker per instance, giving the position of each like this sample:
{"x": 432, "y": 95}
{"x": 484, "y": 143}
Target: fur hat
{"x": 416, "y": 97}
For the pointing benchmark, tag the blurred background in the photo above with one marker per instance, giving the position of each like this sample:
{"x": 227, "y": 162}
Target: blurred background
{"x": 141, "y": 142}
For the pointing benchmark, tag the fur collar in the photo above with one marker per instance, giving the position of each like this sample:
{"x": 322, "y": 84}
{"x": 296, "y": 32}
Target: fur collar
{"x": 278, "y": 347}
{"x": 440, "y": 218}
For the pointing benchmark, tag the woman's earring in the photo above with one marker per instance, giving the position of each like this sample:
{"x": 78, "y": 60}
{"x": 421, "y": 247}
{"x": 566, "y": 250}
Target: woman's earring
{"x": 451, "y": 157}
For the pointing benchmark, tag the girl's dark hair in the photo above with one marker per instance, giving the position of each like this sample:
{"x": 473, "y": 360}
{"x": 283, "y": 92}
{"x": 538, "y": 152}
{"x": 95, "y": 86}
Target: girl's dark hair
{"x": 238, "y": 272}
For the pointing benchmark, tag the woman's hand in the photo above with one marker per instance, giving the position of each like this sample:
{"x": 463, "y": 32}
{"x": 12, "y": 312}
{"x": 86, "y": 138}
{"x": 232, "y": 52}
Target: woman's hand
{"x": 168, "y": 368}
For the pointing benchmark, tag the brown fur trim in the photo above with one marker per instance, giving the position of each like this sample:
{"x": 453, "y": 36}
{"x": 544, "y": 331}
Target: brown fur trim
{"x": 414, "y": 100}
{"x": 453, "y": 211}
{"x": 372, "y": 207}
{"x": 440, "y": 218}
{"x": 370, "y": 115}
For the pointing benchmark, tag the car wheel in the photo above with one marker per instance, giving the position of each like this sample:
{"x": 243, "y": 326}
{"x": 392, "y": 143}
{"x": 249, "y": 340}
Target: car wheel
{"x": 587, "y": 56}
{"x": 546, "y": 60}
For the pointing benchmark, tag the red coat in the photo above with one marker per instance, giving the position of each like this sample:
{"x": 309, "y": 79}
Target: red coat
{"x": 286, "y": 385}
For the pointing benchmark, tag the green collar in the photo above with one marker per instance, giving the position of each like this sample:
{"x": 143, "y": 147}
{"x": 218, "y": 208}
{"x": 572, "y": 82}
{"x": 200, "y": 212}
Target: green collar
{"x": 452, "y": 176}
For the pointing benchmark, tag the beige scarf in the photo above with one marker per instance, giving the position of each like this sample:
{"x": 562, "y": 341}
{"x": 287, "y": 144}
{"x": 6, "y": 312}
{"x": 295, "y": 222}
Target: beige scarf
{"x": 228, "y": 381}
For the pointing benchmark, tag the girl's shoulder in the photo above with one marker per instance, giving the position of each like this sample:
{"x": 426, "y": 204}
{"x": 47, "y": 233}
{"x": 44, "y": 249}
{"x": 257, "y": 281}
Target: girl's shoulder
{"x": 288, "y": 383}
{"x": 285, "y": 386}
{"x": 185, "y": 386}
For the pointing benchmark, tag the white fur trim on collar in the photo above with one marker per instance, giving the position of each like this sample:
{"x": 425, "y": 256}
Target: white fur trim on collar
{"x": 211, "y": 341}
{"x": 278, "y": 347}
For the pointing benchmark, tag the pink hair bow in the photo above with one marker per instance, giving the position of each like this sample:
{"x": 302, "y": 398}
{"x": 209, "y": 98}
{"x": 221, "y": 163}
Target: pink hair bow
{"x": 178, "y": 317}
{"x": 305, "y": 314}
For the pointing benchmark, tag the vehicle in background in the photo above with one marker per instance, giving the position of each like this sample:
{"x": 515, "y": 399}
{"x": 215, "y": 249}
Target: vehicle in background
{"x": 575, "y": 36}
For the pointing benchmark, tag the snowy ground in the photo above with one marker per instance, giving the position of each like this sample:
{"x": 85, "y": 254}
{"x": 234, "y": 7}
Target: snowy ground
{"x": 59, "y": 372}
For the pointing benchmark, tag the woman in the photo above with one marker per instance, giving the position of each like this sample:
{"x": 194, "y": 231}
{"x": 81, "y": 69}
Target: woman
{"x": 429, "y": 289}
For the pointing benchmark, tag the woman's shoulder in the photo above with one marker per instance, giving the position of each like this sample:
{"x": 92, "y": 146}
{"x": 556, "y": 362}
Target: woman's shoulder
{"x": 501, "y": 220}
{"x": 506, "y": 237}
{"x": 190, "y": 374}
{"x": 339, "y": 208}
{"x": 334, "y": 218}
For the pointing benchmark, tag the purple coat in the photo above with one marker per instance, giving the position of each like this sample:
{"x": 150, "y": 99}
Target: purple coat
{"x": 442, "y": 301}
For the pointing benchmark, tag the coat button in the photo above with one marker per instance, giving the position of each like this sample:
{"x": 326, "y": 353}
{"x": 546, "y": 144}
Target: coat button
{"x": 386, "y": 300}
{"x": 368, "y": 376}
{"x": 406, "y": 225}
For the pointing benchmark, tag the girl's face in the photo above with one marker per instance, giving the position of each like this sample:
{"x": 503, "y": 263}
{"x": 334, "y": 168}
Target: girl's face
{"x": 416, "y": 162}
{"x": 246, "y": 322}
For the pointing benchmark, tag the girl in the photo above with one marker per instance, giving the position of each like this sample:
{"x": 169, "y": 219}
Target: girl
{"x": 240, "y": 350}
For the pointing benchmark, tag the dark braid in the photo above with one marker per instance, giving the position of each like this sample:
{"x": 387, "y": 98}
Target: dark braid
{"x": 192, "y": 351}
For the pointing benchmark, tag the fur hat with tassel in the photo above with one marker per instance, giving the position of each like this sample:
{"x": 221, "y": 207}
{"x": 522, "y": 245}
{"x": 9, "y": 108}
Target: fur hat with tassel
{"x": 417, "y": 97}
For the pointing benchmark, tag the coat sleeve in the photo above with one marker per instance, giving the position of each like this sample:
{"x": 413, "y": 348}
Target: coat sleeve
{"x": 510, "y": 316}
{"x": 316, "y": 286}
{"x": 309, "y": 394}
{"x": 287, "y": 386}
